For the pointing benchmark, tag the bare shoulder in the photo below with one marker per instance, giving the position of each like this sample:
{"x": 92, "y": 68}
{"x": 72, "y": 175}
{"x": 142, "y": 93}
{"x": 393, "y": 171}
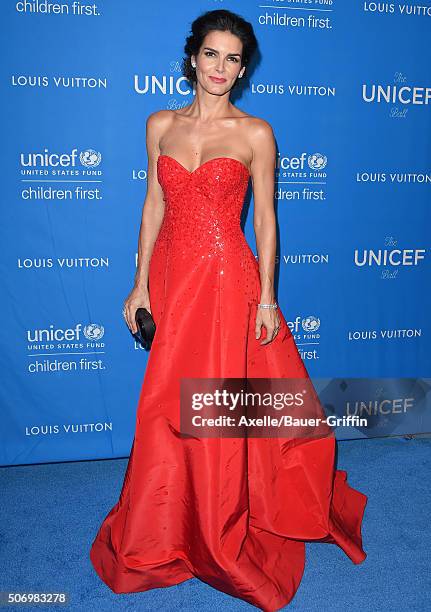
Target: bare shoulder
{"x": 260, "y": 138}
{"x": 159, "y": 121}
{"x": 259, "y": 131}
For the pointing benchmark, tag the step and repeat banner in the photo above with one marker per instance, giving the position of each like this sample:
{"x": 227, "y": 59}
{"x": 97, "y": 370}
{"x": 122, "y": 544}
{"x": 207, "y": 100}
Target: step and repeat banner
{"x": 346, "y": 85}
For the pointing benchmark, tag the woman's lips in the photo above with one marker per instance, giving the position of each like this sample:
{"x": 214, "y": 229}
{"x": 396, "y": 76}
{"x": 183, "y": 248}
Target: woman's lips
{"x": 217, "y": 80}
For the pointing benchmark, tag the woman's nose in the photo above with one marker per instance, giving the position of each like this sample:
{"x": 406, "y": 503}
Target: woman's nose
{"x": 220, "y": 66}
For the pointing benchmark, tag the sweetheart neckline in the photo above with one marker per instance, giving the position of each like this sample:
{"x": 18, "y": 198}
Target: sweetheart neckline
{"x": 191, "y": 172}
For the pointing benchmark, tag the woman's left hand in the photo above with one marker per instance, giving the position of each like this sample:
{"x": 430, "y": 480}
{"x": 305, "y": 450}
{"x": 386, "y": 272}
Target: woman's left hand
{"x": 270, "y": 319}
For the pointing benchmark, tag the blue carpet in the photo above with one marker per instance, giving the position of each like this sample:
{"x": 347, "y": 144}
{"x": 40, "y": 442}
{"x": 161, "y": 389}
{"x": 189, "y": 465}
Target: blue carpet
{"x": 50, "y": 514}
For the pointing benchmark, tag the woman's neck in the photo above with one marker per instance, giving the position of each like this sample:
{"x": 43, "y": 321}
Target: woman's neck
{"x": 208, "y": 107}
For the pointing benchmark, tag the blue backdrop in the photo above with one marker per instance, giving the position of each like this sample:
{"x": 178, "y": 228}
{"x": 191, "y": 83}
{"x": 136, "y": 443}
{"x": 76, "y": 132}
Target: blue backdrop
{"x": 346, "y": 86}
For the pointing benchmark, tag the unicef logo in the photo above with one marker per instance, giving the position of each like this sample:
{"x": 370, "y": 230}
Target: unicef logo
{"x": 93, "y": 331}
{"x": 90, "y": 158}
{"x": 317, "y": 161}
{"x": 310, "y": 324}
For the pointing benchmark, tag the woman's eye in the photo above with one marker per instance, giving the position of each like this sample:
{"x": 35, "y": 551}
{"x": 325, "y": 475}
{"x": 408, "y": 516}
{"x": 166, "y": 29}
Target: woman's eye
{"x": 212, "y": 54}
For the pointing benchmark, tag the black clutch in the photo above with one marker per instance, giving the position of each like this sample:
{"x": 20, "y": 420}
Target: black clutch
{"x": 146, "y": 327}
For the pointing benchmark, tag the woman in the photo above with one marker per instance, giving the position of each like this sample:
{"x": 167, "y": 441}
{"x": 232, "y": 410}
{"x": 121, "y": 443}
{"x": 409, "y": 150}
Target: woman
{"x": 232, "y": 511}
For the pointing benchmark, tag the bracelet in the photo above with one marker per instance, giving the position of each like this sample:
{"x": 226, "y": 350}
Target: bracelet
{"x": 268, "y": 305}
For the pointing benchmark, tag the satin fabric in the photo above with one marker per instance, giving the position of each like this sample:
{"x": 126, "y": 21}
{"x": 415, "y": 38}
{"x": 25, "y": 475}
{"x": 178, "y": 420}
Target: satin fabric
{"x": 233, "y": 512}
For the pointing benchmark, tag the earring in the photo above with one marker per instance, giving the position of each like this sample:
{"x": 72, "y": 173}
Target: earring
{"x": 193, "y": 65}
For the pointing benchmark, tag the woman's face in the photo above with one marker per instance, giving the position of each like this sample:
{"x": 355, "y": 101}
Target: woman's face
{"x": 218, "y": 63}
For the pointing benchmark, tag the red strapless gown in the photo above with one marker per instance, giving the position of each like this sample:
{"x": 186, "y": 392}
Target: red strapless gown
{"x": 233, "y": 512}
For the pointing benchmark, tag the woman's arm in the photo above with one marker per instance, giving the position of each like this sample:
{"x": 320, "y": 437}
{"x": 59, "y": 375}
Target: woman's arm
{"x": 262, "y": 173}
{"x": 151, "y": 220}
{"x": 153, "y": 209}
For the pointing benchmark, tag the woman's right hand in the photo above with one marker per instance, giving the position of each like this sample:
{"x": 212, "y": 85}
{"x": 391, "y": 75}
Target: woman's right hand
{"x": 137, "y": 298}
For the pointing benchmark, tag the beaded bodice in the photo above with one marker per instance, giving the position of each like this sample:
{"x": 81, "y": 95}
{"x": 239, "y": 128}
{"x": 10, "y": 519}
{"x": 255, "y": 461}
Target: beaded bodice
{"x": 202, "y": 207}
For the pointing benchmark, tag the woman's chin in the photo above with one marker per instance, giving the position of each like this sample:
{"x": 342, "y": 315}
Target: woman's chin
{"x": 218, "y": 88}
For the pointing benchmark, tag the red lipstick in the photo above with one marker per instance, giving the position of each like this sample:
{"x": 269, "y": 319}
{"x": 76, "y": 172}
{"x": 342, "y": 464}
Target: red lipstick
{"x": 218, "y": 80}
